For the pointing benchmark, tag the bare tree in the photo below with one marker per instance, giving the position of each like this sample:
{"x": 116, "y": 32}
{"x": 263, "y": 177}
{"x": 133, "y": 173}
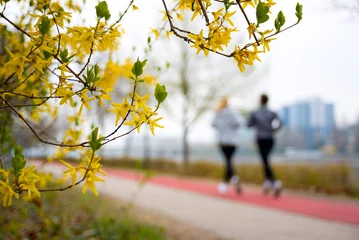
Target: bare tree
{"x": 356, "y": 136}
{"x": 351, "y": 6}
{"x": 195, "y": 89}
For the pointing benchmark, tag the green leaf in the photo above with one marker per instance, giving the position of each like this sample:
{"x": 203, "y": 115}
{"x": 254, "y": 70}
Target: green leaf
{"x": 63, "y": 55}
{"x": 299, "y": 11}
{"x": 137, "y": 68}
{"x": 47, "y": 54}
{"x": 94, "y": 135}
{"x": 144, "y": 63}
{"x": 160, "y": 93}
{"x": 263, "y": 19}
{"x": 102, "y": 10}
{"x": 44, "y": 25}
{"x": 18, "y": 161}
{"x": 227, "y": 5}
{"x": 279, "y": 21}
{"x": 262, "y": 13}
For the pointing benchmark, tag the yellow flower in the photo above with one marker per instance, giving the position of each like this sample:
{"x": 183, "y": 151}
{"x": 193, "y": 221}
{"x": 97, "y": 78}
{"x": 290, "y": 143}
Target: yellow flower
{"x": 156, "y": 32}
{"x": 150, "y": 80}
{"x": 199, "y": 42}
{"x": 134, "y": 8}
{"x": 72, "y": 171}
{"x": 251, "y": 29}
{"x": 137, "y": 120}
{"x": 27, "y": 180}
{"x": 7, "y": 193}
{"x": 227, "y": 16}
{"x": 66, "y": 94}
{"x": 180, "y": 17}
{"x": 90, "y": 180}
{"x": 120, "y": 110}
{"x": 85, "y": 100}
{"x": 265, "y": 41}
{"x": 153, "y": 124}
{"x": 168, "y": 34}
{"x": 141, "y": 102}
{"x": 217, "y": 14}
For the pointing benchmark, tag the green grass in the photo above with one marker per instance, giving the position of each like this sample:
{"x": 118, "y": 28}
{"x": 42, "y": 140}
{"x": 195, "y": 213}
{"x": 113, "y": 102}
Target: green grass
{"x": 72, "y": 215}
{"x": 324, "y": 178}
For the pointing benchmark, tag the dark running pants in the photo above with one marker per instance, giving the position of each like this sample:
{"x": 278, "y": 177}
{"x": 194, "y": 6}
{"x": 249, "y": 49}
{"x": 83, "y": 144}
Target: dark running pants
{"x": 265, "y": 146}
{"x": 228, "y": 153}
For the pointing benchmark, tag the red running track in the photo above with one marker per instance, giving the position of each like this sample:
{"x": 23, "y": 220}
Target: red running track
{"x": 341, "y": 212}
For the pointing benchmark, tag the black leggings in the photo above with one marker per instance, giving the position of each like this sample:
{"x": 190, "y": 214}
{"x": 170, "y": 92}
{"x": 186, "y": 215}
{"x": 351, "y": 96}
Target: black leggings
{"x": 265, "y": 146}
{"x": 228, "y": 153}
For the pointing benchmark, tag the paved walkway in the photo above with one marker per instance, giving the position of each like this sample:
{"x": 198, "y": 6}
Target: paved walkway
{"x": 248, "y": 216}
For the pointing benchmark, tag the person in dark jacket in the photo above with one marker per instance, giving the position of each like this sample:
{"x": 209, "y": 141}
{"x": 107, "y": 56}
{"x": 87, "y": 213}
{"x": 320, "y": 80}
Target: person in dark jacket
{"x": 226, "y": 123}
{"x": 266, "y": 123}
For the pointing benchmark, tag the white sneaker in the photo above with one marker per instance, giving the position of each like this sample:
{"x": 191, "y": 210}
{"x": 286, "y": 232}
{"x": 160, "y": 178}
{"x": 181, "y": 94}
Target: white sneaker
{"x": 236, "y": 183}
{"x": 277, "y": 188}
{"x": 222, "y": 188}
{"x": 267, "y": 186}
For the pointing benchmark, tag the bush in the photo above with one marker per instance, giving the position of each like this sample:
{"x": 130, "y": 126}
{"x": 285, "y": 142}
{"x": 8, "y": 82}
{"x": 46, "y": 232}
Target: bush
{"x": 71, "y": 215}
{"x": 325, "y": 178}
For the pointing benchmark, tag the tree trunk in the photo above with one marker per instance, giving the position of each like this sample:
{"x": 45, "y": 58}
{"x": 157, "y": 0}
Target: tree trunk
{"x": 185, "y": 146}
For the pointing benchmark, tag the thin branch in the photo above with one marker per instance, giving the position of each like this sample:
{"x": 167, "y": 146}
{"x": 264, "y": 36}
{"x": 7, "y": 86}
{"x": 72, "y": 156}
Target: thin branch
{"x": 186, "y": 39}
{"x": 55, "y": 56}
{"x": 15, "y": 26}
{"x": 2, "y": 164}
{"x": 134, "y": 128}
{"x": 231, "y": 3}
{"x": 72, "y": 185}
{"x": 249, "y": 23}
{"x": 91, "y": 49}
{"x": 122, "y": 15}
{"x": 250, "y": 44}
{"x": 128, "y": 113}
{"x": 204, "y": 12}
{"x": 34, "y": 132}
{"x": 58, "y": 32}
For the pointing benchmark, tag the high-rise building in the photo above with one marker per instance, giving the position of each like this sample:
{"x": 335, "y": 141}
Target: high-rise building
{"x": 312, "y": 120}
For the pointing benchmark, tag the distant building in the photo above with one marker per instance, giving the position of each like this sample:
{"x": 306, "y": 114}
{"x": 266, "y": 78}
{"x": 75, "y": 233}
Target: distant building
{"x": 311, "y": 120}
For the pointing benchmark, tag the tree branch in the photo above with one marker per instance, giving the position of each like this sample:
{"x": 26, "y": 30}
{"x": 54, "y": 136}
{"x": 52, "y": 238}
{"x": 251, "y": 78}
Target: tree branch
{"x": 247, "y": 19}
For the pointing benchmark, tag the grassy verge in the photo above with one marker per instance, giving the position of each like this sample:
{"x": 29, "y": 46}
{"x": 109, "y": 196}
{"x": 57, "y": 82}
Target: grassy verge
{"x": 325, "y": 178}
{"x": 72, "y": 215}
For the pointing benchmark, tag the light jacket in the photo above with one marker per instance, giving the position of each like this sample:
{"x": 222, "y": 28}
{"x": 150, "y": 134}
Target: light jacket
{"x": 226, "y": 124}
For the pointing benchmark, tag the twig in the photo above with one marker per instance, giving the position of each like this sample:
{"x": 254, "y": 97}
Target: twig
{"x": 204, "y": 12}
{"x": 250, "y": 44}
{"x": 58, "y": 32}
{"x": 249, "y": 23}
{"x": 91, "y": 49}
{"x": 2, "y": 164}
{"x": 134, "y": 128}
{"x": 72, "y": 185}
{"x": 186, "y": 39}
{"x": 128, "y": 113}
{"x": 34, "y": 132}
{"x": 122, "y": 15}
